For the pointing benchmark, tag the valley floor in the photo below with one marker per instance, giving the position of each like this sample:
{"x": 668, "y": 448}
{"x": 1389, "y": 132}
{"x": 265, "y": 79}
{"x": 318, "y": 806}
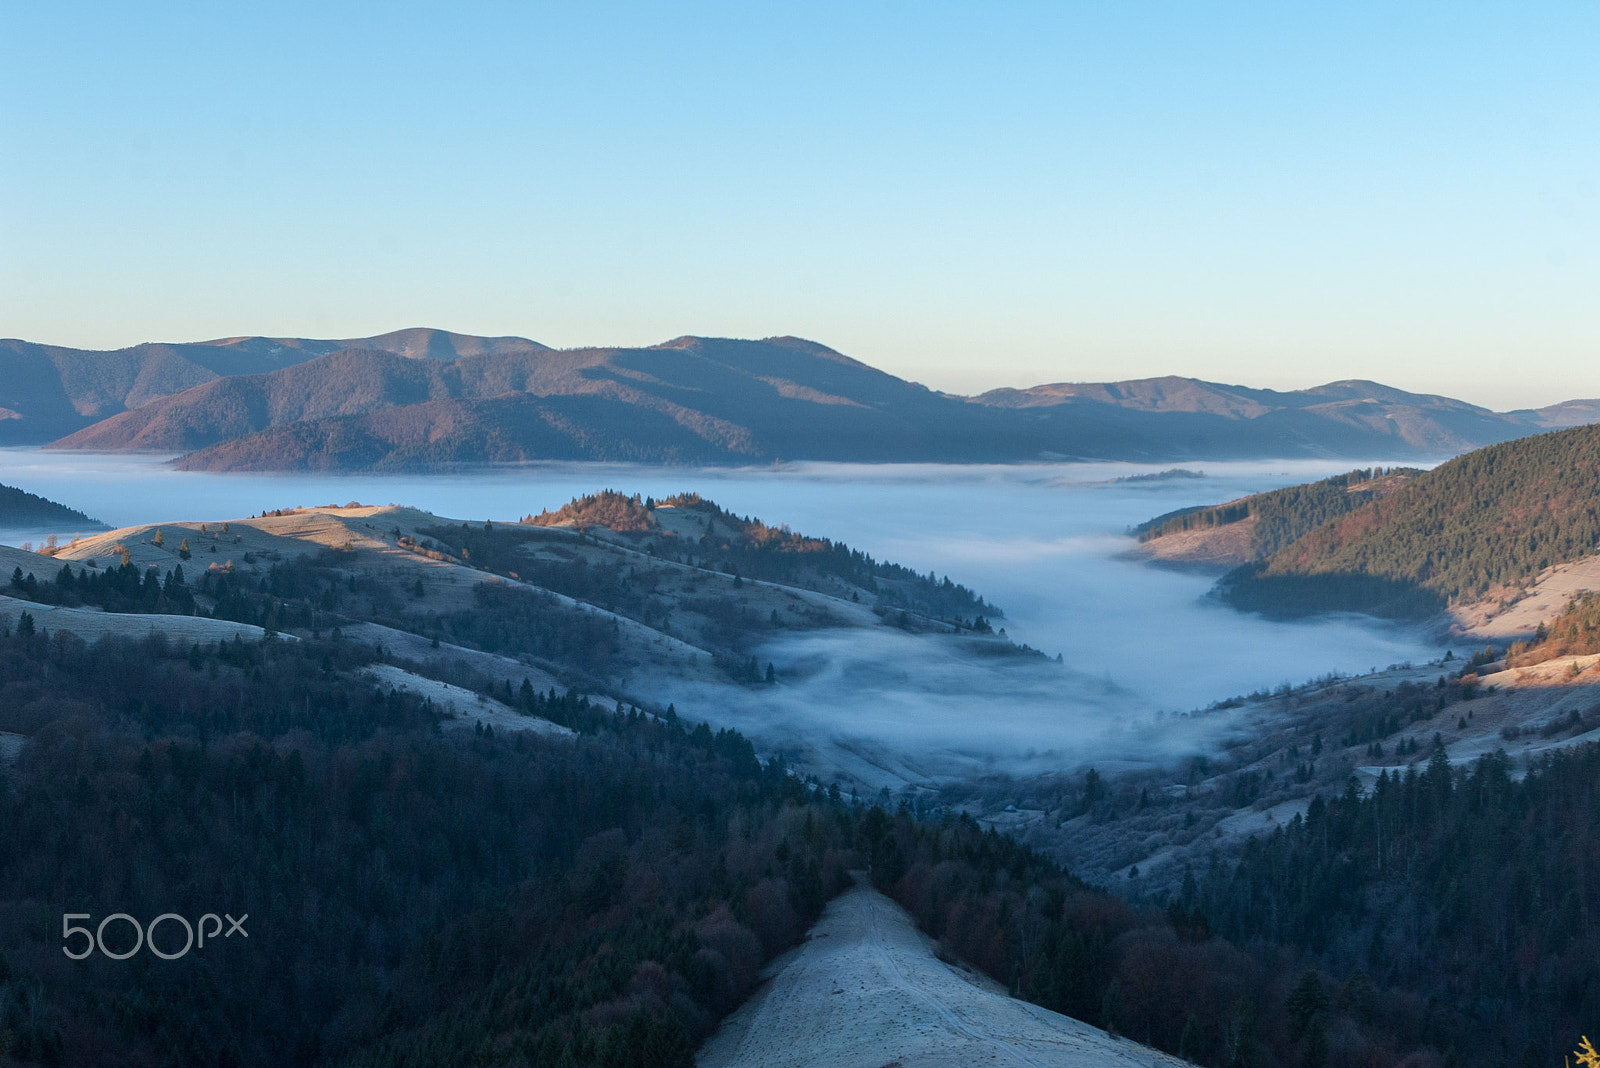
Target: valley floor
{"x": 867, "y": 990}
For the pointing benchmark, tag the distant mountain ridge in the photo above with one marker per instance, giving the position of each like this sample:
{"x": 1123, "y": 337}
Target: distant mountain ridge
{"x": 418, "y": 398}
{"x": 48, "y": 391}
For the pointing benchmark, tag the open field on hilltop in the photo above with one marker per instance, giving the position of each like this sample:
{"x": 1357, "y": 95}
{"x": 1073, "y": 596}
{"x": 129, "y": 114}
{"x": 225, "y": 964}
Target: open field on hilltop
{"x": 91, "y": 625}
{"x": 463, "y": 707}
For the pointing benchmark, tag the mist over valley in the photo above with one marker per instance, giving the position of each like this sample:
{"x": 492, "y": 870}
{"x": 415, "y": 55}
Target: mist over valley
{"x": 1032, "y": 536}
{"x": 1047, "y": 544}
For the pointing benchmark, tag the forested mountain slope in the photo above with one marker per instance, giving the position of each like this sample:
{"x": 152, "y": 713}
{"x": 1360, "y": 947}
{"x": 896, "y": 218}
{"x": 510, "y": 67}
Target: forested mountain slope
{"x": 410, "y": 894}
{"x": 19, "y": 508}
{"x": 419, "y": 895}
{"x": 1269, "y": 520}
{"x": 1491, "y": 519}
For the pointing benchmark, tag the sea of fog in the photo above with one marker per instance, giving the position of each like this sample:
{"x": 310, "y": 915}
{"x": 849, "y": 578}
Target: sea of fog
{"x": 1045, "y": 542}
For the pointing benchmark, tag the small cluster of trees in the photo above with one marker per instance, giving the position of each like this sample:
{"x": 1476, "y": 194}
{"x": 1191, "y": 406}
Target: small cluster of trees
{"x": 608, "y": 508}
{"x": 123, "y": 588}
{"x": 1575, "y": 632}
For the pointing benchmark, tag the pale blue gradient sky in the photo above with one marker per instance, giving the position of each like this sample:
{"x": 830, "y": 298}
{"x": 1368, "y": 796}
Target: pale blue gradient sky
{"x": 969, "y": 196}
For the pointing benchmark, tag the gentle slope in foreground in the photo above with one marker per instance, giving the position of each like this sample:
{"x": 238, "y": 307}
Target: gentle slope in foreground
{"x": 867, "y": 990}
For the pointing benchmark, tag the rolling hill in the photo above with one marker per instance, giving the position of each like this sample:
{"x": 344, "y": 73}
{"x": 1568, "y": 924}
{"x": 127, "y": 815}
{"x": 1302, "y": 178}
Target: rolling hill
{"x": 425, "y": 398}
{"x": 48, "y": 391}
{"x": 1487, "y": 521}
{"x": 1251, "y": 528}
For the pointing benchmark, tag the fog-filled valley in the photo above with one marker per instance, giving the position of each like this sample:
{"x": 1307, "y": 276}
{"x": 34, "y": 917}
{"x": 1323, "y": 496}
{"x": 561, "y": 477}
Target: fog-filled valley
{"x": 653, "y": 719}
{"x": 805, "y": 536}
{"x": 1138, "y": 645}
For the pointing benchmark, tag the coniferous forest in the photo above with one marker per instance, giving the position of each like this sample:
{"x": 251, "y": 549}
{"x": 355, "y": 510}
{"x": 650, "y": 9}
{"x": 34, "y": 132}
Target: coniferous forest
{"x": 1449, "y": 916}
{"x": 419, "y": 893}
{"x": 19, "y": 508}
{"x": 1488, "y": 520}
{"x": 414, "y": 896}
{"x": 1282, "y": 516}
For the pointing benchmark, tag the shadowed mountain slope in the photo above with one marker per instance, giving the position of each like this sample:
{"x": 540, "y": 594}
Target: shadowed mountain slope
{"x": 1337, "y": 410}
{"x": 19, "y": 508}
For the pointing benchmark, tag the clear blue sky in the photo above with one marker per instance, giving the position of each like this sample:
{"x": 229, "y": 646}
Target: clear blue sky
{"x": 971, "y": 196}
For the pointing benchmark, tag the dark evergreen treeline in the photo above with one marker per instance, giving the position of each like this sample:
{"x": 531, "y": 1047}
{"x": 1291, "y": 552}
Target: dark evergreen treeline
{"x": 315, "y": 594}
{"x": 423, "y": 897}
{"x": 290, "y": 594}
{"x": 1284, "y": 515}
{"x": 123, "y": 588}
{"x": 1490, "y": 519}
{"x": 19, "y": 508}
{"x": 1473, "y": 898}
{"x": 414, "y": 897}
{"x": 511, "y": 620}
{"x": 1254, "y": 588}
{"x": 1446, "y": 917}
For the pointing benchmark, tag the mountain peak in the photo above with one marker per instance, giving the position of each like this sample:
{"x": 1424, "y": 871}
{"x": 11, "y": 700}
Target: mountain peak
{"x": 423, "y": 342}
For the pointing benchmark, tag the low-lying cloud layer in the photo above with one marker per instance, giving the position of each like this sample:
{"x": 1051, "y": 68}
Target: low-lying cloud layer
{"x": 1141, "y": 645}
{"x": 889, "y": 708}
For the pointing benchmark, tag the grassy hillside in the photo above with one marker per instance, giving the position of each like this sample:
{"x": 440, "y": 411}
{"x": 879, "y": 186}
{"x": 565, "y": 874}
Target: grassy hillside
{"x": 747, "y": 547}
{"x": 1575, "y": 632}
{"x": 659, "y": 586}
{"x": 1491, "y": 519}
